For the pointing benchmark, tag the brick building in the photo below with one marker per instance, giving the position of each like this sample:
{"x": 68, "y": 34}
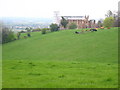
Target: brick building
{"x": 81, "y": 21}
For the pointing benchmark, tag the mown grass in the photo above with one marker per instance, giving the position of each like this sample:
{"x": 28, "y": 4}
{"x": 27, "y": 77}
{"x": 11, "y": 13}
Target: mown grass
{"x": 62, "y": 59}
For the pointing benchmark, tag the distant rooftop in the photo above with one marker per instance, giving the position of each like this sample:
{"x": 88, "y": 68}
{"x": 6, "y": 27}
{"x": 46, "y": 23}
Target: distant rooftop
{"x": 73, "y": 17}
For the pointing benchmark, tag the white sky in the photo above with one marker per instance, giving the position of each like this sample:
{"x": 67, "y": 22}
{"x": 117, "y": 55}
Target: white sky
{"x": 45, "y": 8}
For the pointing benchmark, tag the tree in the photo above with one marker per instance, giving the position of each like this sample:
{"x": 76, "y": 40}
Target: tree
{"x": 64, "y": 22}
{"x": 72, "y": 26}
{"x": 28, "y": 29}
{"x": 108, "y": 22}
{"x": 7, "y": 35}
{"x": 115, "y": 15}
{"x": 116, "y": 18}
{"x": 116, "y": 21}
{"x": 109, "y": 14}
{"x": 54, "y": 27}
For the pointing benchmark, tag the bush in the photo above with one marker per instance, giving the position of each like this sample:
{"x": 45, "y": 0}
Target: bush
{"x": 54, "y": 27}
{"x": 72, "y": 26}
{"x": 108, "y": 22}
{"x": 44, "y": 31}
{"x": 7, "y": 35}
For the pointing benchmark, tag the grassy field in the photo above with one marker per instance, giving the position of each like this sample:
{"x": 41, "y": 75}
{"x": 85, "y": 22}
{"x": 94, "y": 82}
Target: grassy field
{"x": 62, "y": 59}
{"x": 0, "y": 66}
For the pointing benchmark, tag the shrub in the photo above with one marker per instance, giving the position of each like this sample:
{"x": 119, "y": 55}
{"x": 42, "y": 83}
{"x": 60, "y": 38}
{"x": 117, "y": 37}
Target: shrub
{"x": 44, "y": 31}
{"x": 72, "y": 26}
{"x": 54, "y": 27}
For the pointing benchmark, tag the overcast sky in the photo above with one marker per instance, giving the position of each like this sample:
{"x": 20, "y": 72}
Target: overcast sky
{"x": 45, "y": 8}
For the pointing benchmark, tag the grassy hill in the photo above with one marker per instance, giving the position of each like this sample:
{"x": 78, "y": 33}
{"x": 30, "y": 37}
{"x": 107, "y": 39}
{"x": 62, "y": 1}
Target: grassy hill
{"x": 62, "y": 59}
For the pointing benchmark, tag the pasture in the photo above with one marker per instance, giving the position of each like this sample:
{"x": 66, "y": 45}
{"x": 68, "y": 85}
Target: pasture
{"x": 62, "y": 59}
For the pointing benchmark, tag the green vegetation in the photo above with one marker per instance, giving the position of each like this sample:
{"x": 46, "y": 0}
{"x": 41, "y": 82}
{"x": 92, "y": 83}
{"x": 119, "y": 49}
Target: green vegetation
{"x": 64, "y": 22}
{"x": 62, "y": 60}
{"x": 29, "y": 29}
{"x": 72, "y": 26}
{"x": 108, "y": 22}
{"x": 7, "y": 35}
{"x": 0, "y": 66}
{"x": 43, "y": 31}
{"x": 58, "y": 74}
{"x": 36, "y": 30}
{"x": 54, "y": 27}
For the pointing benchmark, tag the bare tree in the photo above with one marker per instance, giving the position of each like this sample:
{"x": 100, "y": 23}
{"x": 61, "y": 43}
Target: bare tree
{"x": 109, "y": 14}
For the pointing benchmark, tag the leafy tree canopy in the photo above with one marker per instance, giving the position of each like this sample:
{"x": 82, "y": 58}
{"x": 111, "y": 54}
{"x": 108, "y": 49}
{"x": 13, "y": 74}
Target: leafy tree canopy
{"x": 108, "y": 22}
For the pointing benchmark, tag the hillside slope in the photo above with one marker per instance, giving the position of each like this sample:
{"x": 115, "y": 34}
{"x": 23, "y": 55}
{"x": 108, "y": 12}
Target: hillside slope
{"x": 65, "y": 45}
{"x": 62, "y": 59}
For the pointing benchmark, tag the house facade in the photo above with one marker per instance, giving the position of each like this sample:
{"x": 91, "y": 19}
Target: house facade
{"x": 81, "y": 21}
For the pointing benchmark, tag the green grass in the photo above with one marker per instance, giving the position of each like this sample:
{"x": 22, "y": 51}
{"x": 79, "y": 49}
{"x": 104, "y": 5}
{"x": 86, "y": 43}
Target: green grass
{"x": 57, "y": 74}
{"x": 62, "y": 59}
{"x": 0, "y": 66}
